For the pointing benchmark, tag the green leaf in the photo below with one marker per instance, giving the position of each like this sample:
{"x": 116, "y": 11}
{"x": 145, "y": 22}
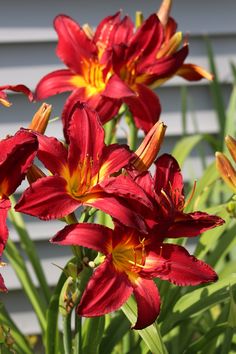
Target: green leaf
{"x": 25, "y": 279}
{"x": 199, "y": 344}
{"x": 92, "y": 334}
{"x": 118, "y": 326}
{"x": 29, "y": 248}
{"x": 151, "y": 334}
{"x": 197, "y": 301}
{"x": 183, "y": 148}
{"x": 52, "y": 334}
{"x": 21, "y": 343}
{"x": 203, "y": 187}
{"x": 223, "y": 246}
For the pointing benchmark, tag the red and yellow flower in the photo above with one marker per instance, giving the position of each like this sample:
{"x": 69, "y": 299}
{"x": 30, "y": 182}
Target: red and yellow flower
{"x": 88, "y": 59}
{"x": 82, "y": 174}
{"x": 16, "y": 88}
{"x": 16, "y": 156}
{"x": 226, "y": 170}
{"x": 166, "y": 193}
{"x": 131, "y": 261}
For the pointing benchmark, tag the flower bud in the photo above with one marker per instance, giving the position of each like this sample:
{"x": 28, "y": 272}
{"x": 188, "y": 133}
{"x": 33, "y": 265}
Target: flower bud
{"x": 34, "y": 173}
{"x": 164, "y": 11}
{"x": 40, "y": 119}
{"x": 4, "y": 102}
{"x": 138, "y": 19}
{"x": 88, "y": 31}
{"x": 149, "y": 148}
{"x": 226, "y": 170}
{"x": 231, "y": 145}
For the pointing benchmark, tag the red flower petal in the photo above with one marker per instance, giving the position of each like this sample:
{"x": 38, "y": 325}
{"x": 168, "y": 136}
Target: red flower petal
{"x": 73, "y": 44}
{"x": 168, "y": 176}
{"x": 52, "y": 153}
{"x": 96, "y": 237}
{"x": 113, "y": 158}
{"x": 18, "y": 88}
{"x": 47, "y": 198}
{"x": 5, "y": 205}
{"x": 148, "y": 302}
{"x": 107, "y": 291}
{"x": 106, "y": 107}
{"x": 119, "y": 209}
{"x": 16, "y": 156}
{"x": 167, "y": 66}
{"x": 123, "y": 31}
{"x": 2, "y": 284}
{"x": 193, "y": 224}
{"x": 86, "y": 137}
{"x": 180, "y": 268}
{"x": 146, "y": 41}
{"x": 145, "y": 107}
{"x": 54, "y": 83}
{"x": 193, "y": 72}
{"x": 105, "y": 30}
{"x": 117, "y": 88}
{"x": 124, "y": 186}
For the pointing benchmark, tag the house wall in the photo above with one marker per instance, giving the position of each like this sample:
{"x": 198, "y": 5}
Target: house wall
{"x": 27, "y": 52}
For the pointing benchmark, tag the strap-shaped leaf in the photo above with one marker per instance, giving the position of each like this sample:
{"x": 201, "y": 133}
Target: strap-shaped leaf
{"x": 184, "y": 147}
{"x": 117, "y": 328}
{"x": 21, "y": 344}
{"x": 199, "y": 300}
{"x": 151, "y": 334}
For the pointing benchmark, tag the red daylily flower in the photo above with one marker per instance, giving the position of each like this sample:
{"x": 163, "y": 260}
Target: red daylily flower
{"x": 131, "y": 261}
{"x": 148, "y": 59}
{"x": 166, "y": 192}
{"x": 16, "y": 156}
{"x": 81, "y": 174}
{"x": 89, "y": 67}
{"x": 2, "y": 284}
{"x": 16, "y": 88}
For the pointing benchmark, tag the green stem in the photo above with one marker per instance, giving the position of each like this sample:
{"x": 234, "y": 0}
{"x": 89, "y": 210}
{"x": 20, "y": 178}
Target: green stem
{"x": 67, "y": 337}
{"x": 18, "y": 264}
{"x": 78, "y": 335}
{"x": 29, "y": 247}
{"x": 110, "y": 127}
{"x": 151, "y": 335}
{"x": 110, "y": 131}
{"x": 92, "y": 334}
{"x": 53, "y": 339}
{"x": 20, "y": 341}
{"x": 133, "y": 131}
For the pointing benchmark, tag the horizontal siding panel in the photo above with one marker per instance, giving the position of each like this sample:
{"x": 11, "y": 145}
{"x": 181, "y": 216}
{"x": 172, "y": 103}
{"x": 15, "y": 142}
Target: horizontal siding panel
{"x": 200, "y": 112}
{"x": 197, "y": 17}
{"x": 28, "y": 62}
{"x": 27, "y": 52}
{"x": 51, "y": 257}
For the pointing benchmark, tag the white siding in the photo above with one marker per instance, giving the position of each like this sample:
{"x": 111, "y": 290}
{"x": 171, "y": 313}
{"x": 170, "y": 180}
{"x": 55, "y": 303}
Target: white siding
{"x": 27, "y": 45}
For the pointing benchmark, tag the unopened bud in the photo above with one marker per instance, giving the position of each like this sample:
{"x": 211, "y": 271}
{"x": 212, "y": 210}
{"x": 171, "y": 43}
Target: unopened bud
{"x": 34, "y": 173}
{"x": 5, "y": 102}
{"x": 88, "y": 31}
{"x": 226, "y": 170}
{"x": 138, "y": 19}
{"x": 149, "y": 148}
{"x": 231, "y": 145}
{"x": 68, "y": 296}
{"x": 40, "y": 119}
{"x": 164, "y": 11}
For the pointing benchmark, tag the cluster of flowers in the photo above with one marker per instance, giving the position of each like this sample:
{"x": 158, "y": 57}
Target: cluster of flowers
{"x": 112, "y": 66}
